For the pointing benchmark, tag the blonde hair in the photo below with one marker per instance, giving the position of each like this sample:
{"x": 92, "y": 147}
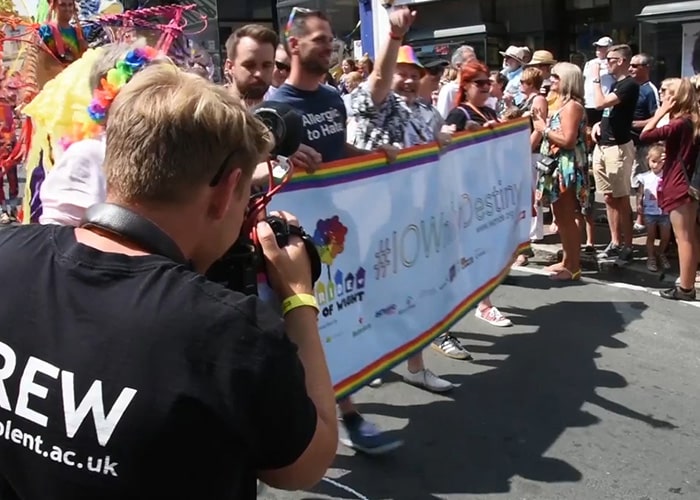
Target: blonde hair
{"x": 170, "y": 131}
{"x": 354, "y": 77}
{"x": 658, "y": 148}
{"x": 532, "y": 76}
{"x": 686, "y": 103}
{"x": 570, "y": 82}
{"x": 671, "y": 85}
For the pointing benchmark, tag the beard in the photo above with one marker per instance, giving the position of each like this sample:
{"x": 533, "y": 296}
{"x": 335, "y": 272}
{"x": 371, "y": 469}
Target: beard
{"x": 253, "y": 91}
{"x": 314, "y": 66}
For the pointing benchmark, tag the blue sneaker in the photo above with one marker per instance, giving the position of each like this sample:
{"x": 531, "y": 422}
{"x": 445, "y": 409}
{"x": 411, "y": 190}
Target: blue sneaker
{"x": 366, "y": 437}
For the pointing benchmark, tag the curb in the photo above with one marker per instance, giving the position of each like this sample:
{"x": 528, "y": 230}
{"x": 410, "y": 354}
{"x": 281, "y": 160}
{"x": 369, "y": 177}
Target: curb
{"x": 635, "y": 273}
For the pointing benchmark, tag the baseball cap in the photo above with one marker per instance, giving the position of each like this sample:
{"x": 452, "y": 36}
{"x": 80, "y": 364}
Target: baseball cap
{"x": 605, "y": 41}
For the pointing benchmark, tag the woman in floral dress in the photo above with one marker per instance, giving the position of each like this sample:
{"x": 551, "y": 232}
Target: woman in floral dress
{"x": 563, "y": 138}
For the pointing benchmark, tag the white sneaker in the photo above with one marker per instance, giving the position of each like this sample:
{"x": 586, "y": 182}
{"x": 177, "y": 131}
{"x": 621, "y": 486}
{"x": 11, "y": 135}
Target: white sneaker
{"x": 377, "y": 382}
{"x": 428, "y": 380}
{"x": 493, "y": 317}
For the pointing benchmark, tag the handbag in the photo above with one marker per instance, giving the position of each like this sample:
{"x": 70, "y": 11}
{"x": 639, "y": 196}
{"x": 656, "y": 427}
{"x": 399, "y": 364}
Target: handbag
{"x": 546, "y": 165}
{"x": 693, "y": 181}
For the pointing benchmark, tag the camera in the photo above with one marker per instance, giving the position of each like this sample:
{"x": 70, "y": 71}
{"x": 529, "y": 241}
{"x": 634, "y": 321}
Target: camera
{"x": 239, "y": 267}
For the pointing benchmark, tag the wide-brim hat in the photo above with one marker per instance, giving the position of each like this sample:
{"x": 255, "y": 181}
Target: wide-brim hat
{"x": 408, "y": 56}
{"x": 517, "y": 53}
{"x": 542, "y": 57}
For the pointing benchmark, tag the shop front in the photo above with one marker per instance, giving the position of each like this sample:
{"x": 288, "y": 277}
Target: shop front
{"x": 671, "y": 33}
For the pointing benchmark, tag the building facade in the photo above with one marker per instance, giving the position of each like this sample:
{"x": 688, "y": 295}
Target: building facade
{"x": 667, "y": 30}
{"x": 567, "y": 28}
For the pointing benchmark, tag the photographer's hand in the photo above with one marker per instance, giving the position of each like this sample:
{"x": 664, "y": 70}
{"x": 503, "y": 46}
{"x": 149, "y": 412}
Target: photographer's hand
{"x": 288, "y": 268}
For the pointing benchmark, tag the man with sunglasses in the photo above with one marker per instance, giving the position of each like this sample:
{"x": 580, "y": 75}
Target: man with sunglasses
{"x": 647, "y": 104}
{"x": 613, "y": 155}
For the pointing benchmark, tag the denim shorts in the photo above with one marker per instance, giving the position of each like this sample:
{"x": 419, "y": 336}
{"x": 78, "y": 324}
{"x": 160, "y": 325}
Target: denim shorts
{"x": 657, "y": 220}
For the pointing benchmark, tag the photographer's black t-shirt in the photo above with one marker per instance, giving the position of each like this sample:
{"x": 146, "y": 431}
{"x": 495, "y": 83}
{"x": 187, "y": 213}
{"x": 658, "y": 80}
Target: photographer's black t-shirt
{"x": 616, "y": 124}
{"x": 135, "y": 378}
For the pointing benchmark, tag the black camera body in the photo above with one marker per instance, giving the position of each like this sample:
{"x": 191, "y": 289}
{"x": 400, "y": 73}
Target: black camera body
{"x": 238, "y": 269}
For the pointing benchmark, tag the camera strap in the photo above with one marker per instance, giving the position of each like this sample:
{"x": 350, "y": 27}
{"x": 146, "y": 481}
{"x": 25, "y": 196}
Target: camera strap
{"x": 123, "y": 222}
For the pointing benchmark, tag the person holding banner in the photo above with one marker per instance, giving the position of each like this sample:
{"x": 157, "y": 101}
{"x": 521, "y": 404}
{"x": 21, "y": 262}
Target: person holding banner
{"x": 309, "y": 39}
{"x": 389, "y": 111}
{"x": 472, "y": 113}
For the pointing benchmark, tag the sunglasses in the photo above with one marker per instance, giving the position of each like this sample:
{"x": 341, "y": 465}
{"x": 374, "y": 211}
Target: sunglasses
{"x": 298, "y": 13}
{"x": 637, "y": 65}
{"x": 282, "y": 66}
{"x": 554, "y": 76}
{"x": 610, "y": 59}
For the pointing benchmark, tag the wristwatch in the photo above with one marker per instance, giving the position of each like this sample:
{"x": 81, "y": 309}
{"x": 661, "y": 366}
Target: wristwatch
{"x": 596, "y": 80}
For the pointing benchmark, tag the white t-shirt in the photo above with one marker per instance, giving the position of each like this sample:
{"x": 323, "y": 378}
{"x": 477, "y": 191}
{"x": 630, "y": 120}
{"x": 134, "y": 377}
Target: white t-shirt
{"x": 446, "y": 98}
{"x": 606, "y": 81}
{"x": 75, "y": 183}
{"x": 650, "y": 183}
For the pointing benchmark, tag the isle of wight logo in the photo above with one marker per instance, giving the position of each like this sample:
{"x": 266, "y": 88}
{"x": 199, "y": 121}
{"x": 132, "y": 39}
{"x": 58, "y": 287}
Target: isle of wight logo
{"x": 340, "y": 289}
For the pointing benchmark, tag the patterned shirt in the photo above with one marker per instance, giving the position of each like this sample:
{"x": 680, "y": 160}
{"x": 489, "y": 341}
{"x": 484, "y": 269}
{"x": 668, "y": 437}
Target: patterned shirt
{"x": 393, "y": 122}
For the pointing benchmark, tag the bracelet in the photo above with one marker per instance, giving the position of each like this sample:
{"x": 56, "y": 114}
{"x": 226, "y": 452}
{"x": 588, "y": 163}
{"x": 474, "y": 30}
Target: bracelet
{"x": 299, "y": 300}
{"x": 395, "y": 37}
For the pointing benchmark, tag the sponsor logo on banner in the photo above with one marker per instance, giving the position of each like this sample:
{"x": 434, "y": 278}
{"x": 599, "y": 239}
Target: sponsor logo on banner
{"x": 410, "y": 304}
{"x": 364, "y": 326}
{"x": 338, "y": 290}
{"x": 387, "y": 311}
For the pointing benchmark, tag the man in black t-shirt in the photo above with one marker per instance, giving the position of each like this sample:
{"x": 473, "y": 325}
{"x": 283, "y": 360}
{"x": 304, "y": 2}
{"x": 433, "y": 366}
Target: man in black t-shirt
{"x": 127, "y": 375}
{"x": 613, "y": 156}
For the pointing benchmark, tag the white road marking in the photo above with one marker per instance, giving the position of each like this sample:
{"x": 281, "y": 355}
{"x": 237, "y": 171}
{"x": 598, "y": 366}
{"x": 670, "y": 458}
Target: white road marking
{"x": 613, "y": 284}
{"x": 357, "y": 494}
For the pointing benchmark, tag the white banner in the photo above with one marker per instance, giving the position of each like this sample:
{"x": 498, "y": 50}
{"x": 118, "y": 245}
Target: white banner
{"x": 409, "y": 248}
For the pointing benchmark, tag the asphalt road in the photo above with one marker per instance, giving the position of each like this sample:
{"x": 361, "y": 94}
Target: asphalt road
{"x": 592, "y": 394}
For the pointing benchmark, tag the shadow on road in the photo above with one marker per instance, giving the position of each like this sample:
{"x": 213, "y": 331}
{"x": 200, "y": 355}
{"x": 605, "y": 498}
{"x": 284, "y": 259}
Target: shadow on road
{"x": 502, "y": 421}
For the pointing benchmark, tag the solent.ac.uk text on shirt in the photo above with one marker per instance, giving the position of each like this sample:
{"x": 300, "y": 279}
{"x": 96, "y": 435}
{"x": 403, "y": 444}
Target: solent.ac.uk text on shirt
{"x": 74, "y": 415}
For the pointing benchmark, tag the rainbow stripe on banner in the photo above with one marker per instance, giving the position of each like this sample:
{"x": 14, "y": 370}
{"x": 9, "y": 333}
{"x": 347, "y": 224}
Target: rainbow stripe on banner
{"x": 364, "y": 167}
{"x": 370, "y": 200}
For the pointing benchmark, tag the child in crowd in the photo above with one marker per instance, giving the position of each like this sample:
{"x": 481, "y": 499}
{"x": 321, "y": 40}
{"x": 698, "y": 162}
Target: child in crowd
{"x": 657, "y": 222}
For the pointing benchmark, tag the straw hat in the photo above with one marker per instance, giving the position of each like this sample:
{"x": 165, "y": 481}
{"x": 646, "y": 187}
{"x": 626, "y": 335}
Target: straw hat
{"x": 517, "y": 53}
{"x": 542, "y": 57}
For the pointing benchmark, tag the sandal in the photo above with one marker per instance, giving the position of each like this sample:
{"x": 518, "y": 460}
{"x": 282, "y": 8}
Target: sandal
{"x": 565, "y": 275}
{"x": 676, "y": 293}
{"x": 554, "y": 268}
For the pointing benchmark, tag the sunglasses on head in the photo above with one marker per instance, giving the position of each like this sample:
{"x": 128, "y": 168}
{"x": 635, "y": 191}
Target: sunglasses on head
{"x": 300, "y": 13}
{"x": 282, "y": 66}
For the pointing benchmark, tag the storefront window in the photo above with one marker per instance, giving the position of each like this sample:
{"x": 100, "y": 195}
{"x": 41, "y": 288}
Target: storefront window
{"x": 664, "y": 42}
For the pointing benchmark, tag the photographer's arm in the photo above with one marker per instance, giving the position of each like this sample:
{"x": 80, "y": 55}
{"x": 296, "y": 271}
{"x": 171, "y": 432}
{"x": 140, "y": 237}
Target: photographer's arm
{"x": 310, "y": 467}
{"x": 289, "y": 272}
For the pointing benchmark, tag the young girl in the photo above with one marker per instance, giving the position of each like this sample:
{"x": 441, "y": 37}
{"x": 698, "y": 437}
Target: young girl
{"x": 657, "y": 222}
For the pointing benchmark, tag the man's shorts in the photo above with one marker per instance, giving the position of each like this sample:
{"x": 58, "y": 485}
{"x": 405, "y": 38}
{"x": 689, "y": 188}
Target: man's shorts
{"x": 612, "y": 169}
{"x": 657, "y": 220}
{"x": 641, "y": 165}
